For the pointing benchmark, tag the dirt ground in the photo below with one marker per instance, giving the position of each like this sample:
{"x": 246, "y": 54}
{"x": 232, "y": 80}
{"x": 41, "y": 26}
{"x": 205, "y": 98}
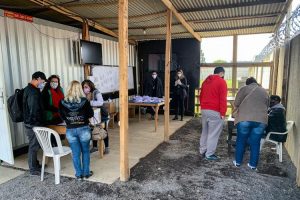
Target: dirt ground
{"x": 174, "y": 170}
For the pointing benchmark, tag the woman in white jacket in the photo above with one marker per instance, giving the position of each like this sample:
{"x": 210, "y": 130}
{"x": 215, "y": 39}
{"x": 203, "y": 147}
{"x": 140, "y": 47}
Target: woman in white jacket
{"x": 96, "y": 100}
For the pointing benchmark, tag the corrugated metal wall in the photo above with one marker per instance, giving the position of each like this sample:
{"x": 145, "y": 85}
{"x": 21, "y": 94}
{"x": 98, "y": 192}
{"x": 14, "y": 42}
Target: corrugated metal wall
{"x": 48, "y": 47}
{"x": 293, "y": 109}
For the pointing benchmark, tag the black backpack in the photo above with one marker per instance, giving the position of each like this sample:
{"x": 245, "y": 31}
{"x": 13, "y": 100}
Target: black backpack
{"x": 15, "y": 106}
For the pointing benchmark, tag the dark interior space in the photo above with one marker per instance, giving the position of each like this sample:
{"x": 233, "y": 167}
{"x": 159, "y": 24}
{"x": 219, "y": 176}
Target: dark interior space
{"x": 185, "y": 55}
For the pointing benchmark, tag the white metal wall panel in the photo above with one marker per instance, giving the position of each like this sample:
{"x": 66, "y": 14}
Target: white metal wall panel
{"x": 45, "y": 46}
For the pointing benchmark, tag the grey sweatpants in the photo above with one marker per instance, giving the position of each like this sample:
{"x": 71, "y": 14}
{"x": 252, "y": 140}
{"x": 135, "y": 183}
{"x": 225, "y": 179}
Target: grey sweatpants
{"x": 212, "y": 126}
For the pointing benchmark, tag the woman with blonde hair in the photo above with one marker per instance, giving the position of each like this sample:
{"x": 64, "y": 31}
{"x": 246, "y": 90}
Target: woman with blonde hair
{"x": 76, "y": 110}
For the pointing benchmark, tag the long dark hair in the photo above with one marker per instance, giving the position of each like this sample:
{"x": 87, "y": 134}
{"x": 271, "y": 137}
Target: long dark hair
{"x": 182, "y": 76}
{"x": 90, "y": 84}
{"x": 47, "y": 86}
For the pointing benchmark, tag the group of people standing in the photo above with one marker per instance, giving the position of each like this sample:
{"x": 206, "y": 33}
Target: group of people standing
{"x": 154, "y": 88}
{"x": 256, "y": 114}
{"x": 46, "y": 103}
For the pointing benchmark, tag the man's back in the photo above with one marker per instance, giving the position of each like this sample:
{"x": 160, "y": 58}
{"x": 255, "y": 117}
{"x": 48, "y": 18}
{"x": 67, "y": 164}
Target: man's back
{"x": 32, "y": 106}
{"x": 213, "y": 94}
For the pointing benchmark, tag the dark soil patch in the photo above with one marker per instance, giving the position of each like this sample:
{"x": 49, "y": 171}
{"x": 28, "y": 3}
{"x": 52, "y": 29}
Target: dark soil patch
{"x": 174, "y": 170}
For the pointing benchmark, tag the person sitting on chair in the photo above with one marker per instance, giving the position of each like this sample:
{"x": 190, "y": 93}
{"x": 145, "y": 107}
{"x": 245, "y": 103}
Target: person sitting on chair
{"x": 276, "y": 119}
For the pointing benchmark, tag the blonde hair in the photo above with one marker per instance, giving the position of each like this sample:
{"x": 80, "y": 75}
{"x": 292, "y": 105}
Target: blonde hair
{"x": 74, "y": 92}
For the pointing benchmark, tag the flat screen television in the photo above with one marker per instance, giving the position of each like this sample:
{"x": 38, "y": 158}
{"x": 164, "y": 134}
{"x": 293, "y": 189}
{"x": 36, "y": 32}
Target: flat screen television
{"x": 91, "y": 52}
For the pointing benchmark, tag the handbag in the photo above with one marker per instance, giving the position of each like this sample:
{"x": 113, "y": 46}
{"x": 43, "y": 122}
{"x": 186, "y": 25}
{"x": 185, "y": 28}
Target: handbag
{"x": 236, "y": 109}
{"x": 98, "y": 132}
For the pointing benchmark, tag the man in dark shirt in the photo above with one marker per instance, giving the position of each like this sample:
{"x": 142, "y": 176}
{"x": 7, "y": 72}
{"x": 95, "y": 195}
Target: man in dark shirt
{"x": 276, "y": 119}
{"x": 33, "y": 115}
{"x": 154, "y": 88}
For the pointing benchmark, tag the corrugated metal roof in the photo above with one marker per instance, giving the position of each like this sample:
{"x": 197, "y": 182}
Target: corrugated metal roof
{"x": 210, "y": 17}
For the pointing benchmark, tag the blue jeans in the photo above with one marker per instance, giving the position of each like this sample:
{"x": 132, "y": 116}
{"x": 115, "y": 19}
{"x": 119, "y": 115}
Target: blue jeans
{"x": 249, "y": 132}
{"x": 79, "y": 140}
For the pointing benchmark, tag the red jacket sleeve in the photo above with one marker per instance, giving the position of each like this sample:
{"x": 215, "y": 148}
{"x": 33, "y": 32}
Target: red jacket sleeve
{"x": 223, "y": 98}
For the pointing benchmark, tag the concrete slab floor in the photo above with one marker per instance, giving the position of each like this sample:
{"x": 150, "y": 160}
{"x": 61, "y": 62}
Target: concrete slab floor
{"x": 142, "y": 140}
{"x": 7, "y": 174}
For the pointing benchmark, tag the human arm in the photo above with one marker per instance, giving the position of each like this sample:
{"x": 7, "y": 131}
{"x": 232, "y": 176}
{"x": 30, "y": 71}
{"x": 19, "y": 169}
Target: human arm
{"x": 223, "y": 99}
{"x": 89, "y": 110}
{"x": 99, "y": 100}
{"x": 35, "y": 109}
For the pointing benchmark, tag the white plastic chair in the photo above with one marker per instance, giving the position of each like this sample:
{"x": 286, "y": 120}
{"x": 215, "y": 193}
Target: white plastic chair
{"x": 289, "y": 126}
{"x": 44, "y": 137}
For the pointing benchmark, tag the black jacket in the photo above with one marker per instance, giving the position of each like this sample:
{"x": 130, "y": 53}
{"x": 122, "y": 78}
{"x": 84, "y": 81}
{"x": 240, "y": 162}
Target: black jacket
{"x": 32, "y": 106}
{"x": 154, "y": 88}
{"x": 181, "y": 90}
{"x": 277, "y": 122}
{"x": 76, "y": 114}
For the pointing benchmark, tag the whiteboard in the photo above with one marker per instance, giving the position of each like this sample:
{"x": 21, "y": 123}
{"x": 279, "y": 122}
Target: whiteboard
{"x": 106, "y": 78}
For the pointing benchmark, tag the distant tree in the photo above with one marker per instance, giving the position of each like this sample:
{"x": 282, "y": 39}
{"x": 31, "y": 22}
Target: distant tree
{"x": 219, "y": 61}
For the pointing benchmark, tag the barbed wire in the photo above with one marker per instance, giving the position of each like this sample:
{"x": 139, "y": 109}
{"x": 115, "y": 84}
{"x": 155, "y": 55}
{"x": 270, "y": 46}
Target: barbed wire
{"x": 286, "y": 31}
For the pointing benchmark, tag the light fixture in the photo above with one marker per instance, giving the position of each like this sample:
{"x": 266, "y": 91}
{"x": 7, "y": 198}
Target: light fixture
{"x": 144, "y": 31}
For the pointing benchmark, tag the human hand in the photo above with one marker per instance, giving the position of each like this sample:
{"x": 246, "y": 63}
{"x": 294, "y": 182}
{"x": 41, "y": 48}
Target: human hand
{"x": 222, "y": 117}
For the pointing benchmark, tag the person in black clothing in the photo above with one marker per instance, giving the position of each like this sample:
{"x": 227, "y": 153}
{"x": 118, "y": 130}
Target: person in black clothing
{"x": 33, "y": 116}
{"x": 76, "y": 110}
{"x": 276, "y": 119}
{"x": 154, "y": 88}
{"x": 180, "y": 94}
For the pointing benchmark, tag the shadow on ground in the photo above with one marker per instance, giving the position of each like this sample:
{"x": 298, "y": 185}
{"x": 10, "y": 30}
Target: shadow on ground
{"x": 174, "y": 170}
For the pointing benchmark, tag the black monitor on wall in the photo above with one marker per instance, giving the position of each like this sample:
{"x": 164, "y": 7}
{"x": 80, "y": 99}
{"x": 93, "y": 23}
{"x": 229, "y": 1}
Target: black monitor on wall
{"x": 91, "y": 52}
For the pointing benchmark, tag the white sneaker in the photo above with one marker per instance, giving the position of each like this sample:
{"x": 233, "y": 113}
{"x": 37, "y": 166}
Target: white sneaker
{"x": 251, "y": 167}
{"x": 236, "y": 164}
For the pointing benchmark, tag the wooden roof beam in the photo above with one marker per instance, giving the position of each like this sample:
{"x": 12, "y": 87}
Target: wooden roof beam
{"x": 228, "y": 6}
{"x": 77, "y": 17}
{"x": 169, "y": 5}
{"x": 74, "y": 15}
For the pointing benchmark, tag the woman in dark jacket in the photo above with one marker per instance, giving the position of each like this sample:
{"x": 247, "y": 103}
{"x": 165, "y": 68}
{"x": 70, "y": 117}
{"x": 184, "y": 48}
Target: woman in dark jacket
{"x": 76, "y": 110}
{"x": 180, "y": 94}
{"x": 52, "y": 94}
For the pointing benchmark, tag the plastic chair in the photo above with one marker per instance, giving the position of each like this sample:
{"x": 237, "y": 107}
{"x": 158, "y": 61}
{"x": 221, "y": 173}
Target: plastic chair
{"x": 289, "y": 126}
{"x": 44, "y": 137}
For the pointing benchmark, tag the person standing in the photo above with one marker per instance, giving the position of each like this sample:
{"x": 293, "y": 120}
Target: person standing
{"x": 52, "y": 94}
{"x": 252, "y": 103}
{"x": 96, "y": 100}
{"x": 76, "y": 110}
{"x": 180, "y": 94}
{"x": 213, "y": 102}
{"x": 33, "y": 116}
{"x": 154, "y": 88}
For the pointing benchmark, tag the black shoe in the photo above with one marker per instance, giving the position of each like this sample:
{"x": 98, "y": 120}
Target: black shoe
{"x": 181, "y": 119}
{"x": 94, "y": 149}
{"x": 88, "y": 176}
{"x": 35, "y": 173}
{"x": 175, "y": 118}
{"x": 79, "y": 178}
{"x": 106, "y": 150}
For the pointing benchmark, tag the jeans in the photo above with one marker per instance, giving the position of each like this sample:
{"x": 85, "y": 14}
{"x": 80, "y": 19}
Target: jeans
{"x": 249, "y": 132}
{"x": 79, "y": 140}
{"x": 32, "y": 150}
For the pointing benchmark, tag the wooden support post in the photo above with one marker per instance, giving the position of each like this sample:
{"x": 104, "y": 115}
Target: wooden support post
{"x": 86, "y": 36}
{"x": 275, "y": 70}
{"x": 167, "y": 75}
{"x": 234, "y": 67}
{"x": 123, "y": 58}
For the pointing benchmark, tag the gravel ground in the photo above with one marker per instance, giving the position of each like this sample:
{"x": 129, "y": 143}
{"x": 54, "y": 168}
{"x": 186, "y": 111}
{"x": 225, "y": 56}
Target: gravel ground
{"x": 174, "y": 170}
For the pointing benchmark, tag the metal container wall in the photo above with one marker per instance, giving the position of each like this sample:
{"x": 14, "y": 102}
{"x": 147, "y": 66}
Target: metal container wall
{"x": 48, "y": 47}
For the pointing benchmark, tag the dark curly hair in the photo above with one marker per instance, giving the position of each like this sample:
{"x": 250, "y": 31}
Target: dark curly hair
{"x": 89, "y": 83}
{"x": 47, "y": 86}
